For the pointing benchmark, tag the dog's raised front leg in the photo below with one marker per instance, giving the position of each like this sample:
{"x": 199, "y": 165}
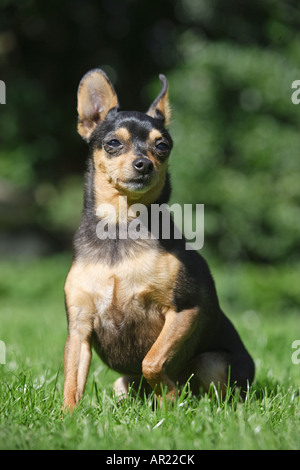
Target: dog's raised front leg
{"x": 177, "y": 328}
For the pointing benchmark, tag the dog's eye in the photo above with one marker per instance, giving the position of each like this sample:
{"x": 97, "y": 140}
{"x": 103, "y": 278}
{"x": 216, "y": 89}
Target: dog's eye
{"x": 113, "y": 143}
{"x": 113, "y": 146}
{"x": 162, "y": 147}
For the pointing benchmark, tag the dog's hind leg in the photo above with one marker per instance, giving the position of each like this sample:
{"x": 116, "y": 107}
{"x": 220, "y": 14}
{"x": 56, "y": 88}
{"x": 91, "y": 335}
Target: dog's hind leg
{"x": 221, "y": 368}
{"x": 121, "y": 386}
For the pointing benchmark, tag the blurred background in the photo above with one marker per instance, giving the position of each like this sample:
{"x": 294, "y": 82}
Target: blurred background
{"x": 230, "y": 67}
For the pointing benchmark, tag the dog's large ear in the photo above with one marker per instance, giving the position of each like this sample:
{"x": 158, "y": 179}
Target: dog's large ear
{"x": 96, "y": 97}
{"x": 160, "y": 108}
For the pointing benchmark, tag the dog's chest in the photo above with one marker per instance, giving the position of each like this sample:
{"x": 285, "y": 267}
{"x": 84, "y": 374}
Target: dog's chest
{"x": 138, "y": 289}
{"x": 129, "y": 291}
{"x": 124, "y": 305}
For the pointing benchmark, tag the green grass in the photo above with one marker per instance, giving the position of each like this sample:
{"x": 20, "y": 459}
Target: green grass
{"x": 262, "y": 302}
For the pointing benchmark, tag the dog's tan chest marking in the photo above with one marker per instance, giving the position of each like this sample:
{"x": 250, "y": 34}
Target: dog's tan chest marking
{"x": 124, "y": 305}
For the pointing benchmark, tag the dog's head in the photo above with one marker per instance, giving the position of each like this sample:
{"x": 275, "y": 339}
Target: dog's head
{"x": 129, "y": 148}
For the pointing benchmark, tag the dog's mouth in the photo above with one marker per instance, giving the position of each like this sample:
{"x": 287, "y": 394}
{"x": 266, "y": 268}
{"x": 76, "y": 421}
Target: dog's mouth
{"x": 138, "y": 184}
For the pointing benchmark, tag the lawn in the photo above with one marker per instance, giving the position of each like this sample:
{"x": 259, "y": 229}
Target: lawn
{"x": 263, "y": 303}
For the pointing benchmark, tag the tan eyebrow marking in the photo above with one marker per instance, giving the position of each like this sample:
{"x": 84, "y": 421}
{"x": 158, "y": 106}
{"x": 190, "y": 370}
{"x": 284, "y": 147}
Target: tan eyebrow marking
{"x": 123, "y": 134}
{"x": 154, "y": 134}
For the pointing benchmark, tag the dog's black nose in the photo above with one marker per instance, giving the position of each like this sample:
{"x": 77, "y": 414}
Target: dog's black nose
{"x": 143, "y": 165}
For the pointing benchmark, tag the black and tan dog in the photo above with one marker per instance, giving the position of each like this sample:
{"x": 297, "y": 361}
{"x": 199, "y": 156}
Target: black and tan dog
{"x": 148, "y": 306}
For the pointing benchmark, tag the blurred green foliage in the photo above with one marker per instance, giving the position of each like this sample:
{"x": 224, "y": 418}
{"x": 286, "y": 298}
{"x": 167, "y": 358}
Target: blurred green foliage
{"x": 236, "y": 131}
{"x": 237, "y": 146}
